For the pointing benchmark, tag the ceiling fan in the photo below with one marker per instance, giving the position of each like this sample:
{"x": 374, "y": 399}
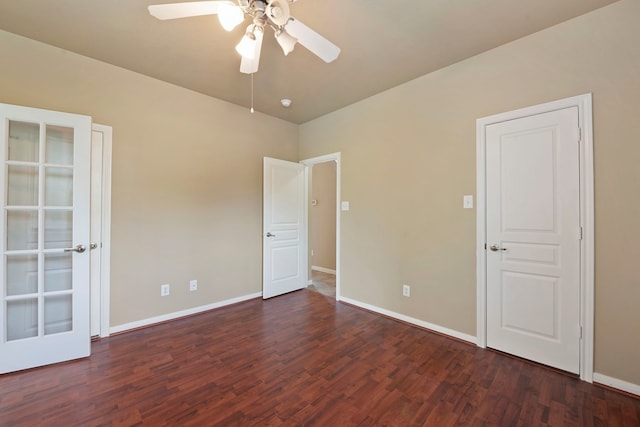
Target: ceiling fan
{"x": 264, "y": 13}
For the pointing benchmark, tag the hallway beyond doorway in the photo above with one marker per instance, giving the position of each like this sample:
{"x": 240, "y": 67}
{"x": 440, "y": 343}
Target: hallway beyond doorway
{"x": 324, "y": 283}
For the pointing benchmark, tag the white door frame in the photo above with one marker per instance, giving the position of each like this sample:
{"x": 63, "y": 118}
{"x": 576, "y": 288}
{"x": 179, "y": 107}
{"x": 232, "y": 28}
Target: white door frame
{"x": 307, "y": 194}
{"x": 102, "y": 299}
{"x": 584, "y": 104}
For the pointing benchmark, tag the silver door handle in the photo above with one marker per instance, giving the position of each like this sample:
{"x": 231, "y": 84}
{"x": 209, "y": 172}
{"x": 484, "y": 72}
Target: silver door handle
{"x": 79, "y": 249}
{"x": 495, "y": 248}
{"x": 270, "y": 235}
{"x": 93, "y": 245}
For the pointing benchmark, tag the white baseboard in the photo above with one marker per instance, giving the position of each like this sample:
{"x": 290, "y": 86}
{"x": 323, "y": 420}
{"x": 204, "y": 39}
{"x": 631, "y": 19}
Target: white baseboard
{"x": 412, "y": 320}
{"x": 178, "y": 314}
{"x": 323, "y": 270}
{"x": 616, "y": 383}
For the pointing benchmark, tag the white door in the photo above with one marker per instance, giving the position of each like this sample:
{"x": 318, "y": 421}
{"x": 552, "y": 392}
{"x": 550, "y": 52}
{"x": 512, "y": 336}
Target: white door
{"x": 283, "y": 266}
{"x": 533, "y": 238}
{"x": 44, "y": 271}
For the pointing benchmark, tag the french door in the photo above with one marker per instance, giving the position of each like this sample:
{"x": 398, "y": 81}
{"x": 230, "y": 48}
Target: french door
{"x": 44, "y": 271}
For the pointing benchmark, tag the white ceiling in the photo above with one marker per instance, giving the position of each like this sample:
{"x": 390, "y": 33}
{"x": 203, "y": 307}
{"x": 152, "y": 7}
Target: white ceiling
{"x": 384, "y": 44}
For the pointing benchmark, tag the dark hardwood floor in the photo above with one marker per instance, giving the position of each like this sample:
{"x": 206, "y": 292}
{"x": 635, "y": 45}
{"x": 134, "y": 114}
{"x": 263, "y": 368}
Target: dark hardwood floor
{"x": 301, "y": 360}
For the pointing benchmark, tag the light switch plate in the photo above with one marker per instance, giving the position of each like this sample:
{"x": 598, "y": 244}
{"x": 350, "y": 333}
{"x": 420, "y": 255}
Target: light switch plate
{"x": 345, "y": 205}
{"x": 467, "y": 202}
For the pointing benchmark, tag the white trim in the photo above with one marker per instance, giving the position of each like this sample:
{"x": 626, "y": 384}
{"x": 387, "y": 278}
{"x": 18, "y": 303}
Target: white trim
{"x": 105, "y": 280}
{"x": 481, "y": 232}
{"x": 105, "y": 262}
{"x": 105, "y": 270}
{"x": 336, "y": 157}
{"x": 183, "y": 313}
{"x": 616, "y": 383}
{"x": 584, "y": 104}
{"x": 412, "y": 320}
{"x": 323, "y": 270}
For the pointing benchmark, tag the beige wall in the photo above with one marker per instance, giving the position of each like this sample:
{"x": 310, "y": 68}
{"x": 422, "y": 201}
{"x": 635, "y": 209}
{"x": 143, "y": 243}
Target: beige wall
{"x": 187, "y": 176}
{"x": 322, "y": 216}
{"x": 408, "y": 157}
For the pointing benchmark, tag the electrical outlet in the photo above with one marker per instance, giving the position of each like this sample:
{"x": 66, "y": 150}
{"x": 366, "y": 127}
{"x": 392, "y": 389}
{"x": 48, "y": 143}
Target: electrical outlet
{"x": 165, "y": 290}
{"x": 193, "y": 285}
{"x": 406, "y": 290}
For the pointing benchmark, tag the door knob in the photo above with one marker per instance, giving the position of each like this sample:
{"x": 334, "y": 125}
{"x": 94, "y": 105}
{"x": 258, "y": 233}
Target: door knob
{"x": 79, "y": 249}
{"x": 495, "y": 248}
{"x": 270, "y": 235}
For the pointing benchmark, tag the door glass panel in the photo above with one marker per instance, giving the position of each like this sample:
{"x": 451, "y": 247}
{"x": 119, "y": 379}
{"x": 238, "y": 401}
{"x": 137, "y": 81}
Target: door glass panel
{"x": 57, "y": 314}
{"x": 57, "y": 272}
{"x": 58, "y": 187}
{"x": 57, "y": 229}
{"x": 22, "y": 230}
{"x": 59, "y": 145}
{"x": 22, "y": 319}
{"x": 24, "y": 141}
{"x": 22, "y": 185}
{"x": 22, "y": 274}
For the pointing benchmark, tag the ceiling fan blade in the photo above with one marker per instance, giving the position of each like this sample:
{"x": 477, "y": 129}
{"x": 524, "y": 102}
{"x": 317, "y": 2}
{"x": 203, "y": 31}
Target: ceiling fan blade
{"x": 185, "y": 10}
{"x": 250, "y": 66}
{"x": 313, "y": 41}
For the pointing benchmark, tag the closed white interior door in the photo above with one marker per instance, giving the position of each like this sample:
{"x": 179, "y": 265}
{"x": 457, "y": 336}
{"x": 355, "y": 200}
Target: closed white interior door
{"x": 44, "y": 271}
{"x": 283, "y": 210}
{"x": 533, "y": 238}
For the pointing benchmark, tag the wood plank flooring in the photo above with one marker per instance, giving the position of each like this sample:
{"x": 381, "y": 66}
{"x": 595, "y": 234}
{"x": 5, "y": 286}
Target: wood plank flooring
{"x": 301, "y": 360}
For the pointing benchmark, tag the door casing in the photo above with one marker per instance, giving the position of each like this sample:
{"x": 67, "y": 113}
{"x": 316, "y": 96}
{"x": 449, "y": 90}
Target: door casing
{"x": 584, "y": 105}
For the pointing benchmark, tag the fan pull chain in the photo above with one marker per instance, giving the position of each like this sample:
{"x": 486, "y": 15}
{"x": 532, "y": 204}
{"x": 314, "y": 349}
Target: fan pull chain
{"x": 252, "y": 110}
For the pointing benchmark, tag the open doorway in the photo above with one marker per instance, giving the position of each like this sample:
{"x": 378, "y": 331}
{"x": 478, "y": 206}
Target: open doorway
{"x": 323, "y": 223}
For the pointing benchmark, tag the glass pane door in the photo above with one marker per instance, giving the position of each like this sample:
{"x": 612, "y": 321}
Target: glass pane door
{"x": 45, "y": 219}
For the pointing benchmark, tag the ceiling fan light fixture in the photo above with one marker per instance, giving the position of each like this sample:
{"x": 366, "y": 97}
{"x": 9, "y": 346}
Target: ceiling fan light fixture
{"x": 286, "y": 41}
{"x": 274, "y": 14}
{"x": 247, "y": 46}
{"x": 230, "y": 16}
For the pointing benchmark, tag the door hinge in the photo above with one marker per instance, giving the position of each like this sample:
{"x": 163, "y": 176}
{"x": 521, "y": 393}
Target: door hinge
{"x": 579, "y": 135}
{"x": 580, "y": 233}
{"x": 485, "y": 246}
{"x": 580, "y": 332}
